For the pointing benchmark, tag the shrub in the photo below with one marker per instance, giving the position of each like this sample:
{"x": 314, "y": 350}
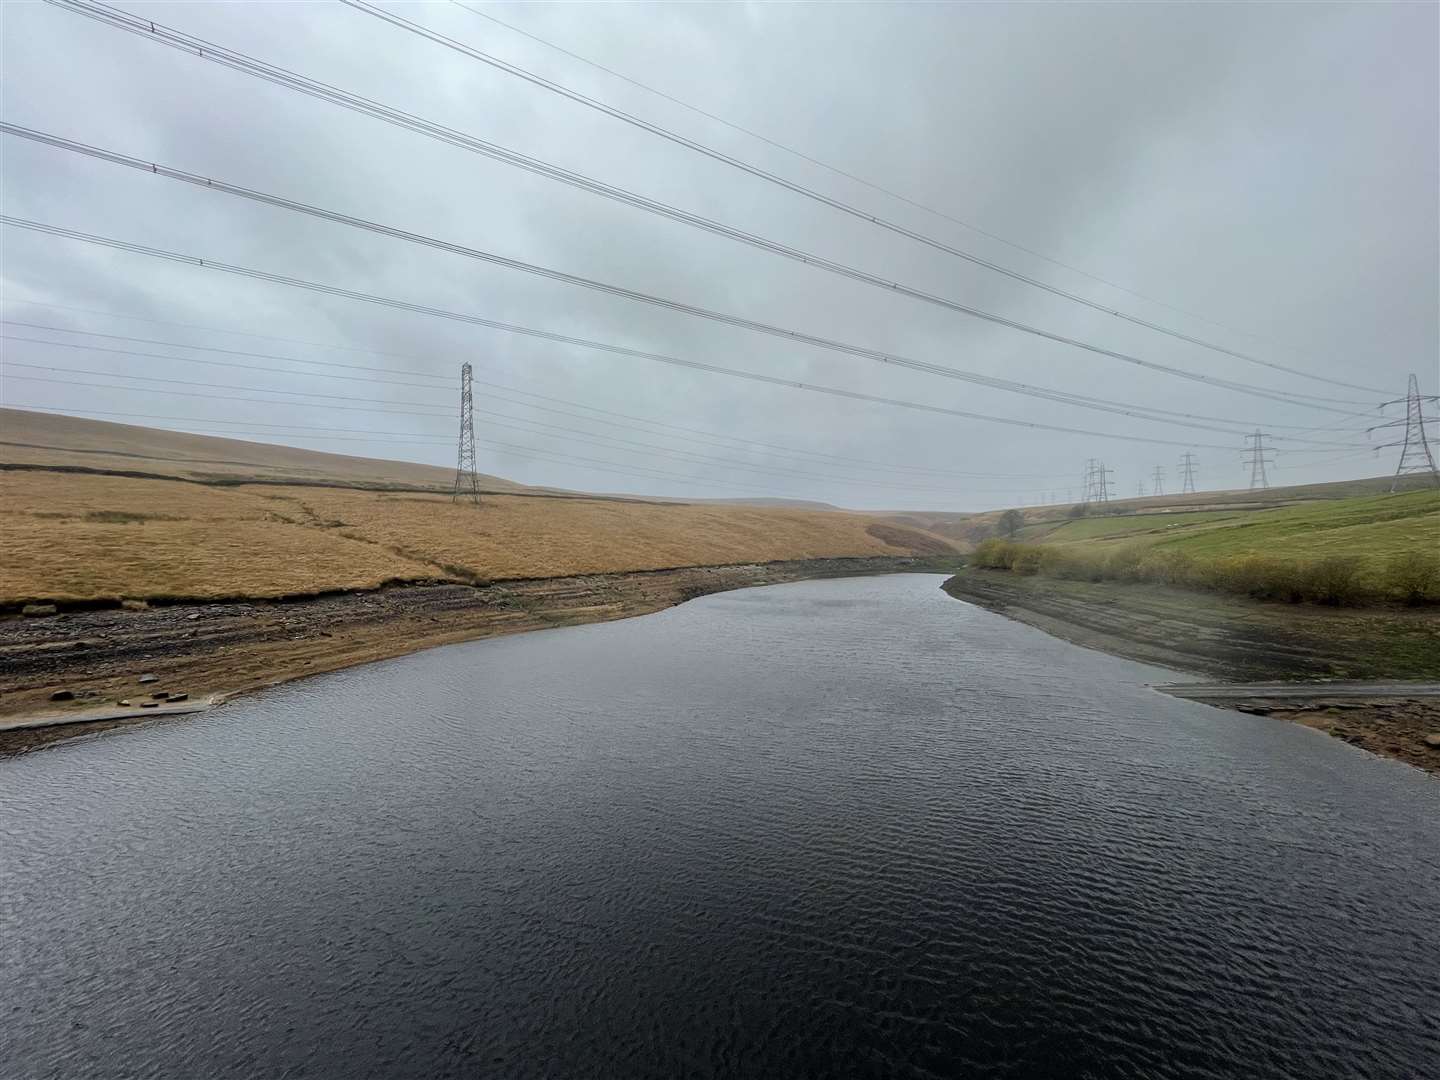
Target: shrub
{"x": 1333, "y": 580}
{"x": 1168, "y": 568}
{"x": 1011, "y": 522}
{"x": 1026, "y": 559}
{"x": 1414, "y": 576}
{"x": 993, "y": 554}
{"x": 1124, "y": 565}
{"x": 1252, "y": 575}
{"x": 1079, "y": 510}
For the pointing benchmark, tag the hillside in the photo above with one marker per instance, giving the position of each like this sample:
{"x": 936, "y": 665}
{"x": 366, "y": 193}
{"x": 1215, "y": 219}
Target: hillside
{"x": 1143, "y": 514}
{"x": 97, "y": 512}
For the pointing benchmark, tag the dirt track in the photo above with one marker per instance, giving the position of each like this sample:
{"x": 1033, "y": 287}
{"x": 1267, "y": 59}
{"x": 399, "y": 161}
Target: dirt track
{"x": 229, "y": 648}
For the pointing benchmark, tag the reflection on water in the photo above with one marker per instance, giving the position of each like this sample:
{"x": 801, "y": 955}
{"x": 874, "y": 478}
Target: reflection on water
{"x": 829, "y": 828}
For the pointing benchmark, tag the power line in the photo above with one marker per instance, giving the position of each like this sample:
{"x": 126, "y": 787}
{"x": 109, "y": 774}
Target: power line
{"x": 301, "y": 431}
{"x": 547, "y": 335}
{"x": 907, "y": 200}
{"x": 888, "y": 483}
{"x": 715, "y": 437}
{"x": 725, "y": 318}
{"x": 502, "y": 420}
{"x": 800, "y": 189}
{"x": 291, "y": 80}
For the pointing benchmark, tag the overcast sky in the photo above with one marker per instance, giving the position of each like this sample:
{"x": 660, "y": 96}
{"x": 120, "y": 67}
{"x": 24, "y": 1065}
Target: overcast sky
{"x": 1268, "y": 170}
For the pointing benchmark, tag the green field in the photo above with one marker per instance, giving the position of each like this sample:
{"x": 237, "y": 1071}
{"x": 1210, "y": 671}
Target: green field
{"x": 1264, "y": 551}
{"x": 1374, "y": 526}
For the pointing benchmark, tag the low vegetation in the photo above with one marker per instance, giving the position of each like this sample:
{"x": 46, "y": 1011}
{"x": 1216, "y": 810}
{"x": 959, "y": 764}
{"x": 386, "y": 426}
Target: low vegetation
{"x": 74, "y": 537}
{"x": 1411, "y": 577}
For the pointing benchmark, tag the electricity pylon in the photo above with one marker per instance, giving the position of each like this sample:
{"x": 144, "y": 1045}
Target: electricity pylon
{"x": 467, "y": 484}
{"x": 1256, "y": 454}
{"x": 1158, "y": 480}
{"x": 1415, "y": 454}
{"x": 1097, "y": 481}
{"x": 1187, "y": 465}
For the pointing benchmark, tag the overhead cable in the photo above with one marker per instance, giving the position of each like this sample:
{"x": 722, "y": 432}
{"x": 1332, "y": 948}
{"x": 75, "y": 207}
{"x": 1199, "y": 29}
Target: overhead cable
{"x": 260, "y": 69}
{"x": 566, "y": 339}
{"x": 696, "y": 311}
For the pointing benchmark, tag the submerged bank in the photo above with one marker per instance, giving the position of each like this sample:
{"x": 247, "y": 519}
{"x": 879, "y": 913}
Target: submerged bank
{"x": 1241, "y": 641}
{"x": 225, "y": 649}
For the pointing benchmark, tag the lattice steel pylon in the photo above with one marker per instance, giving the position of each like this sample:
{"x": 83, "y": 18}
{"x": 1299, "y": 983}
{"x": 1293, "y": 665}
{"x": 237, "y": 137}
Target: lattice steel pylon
{"x": 1157, "y": 486}
{"x": 1256, "y": 454}
{"x": 1097, "y": 481}
{"x": 1416, "y": 457}
{"x": 467, "y": 484}
{"x": 1187, "y": 467}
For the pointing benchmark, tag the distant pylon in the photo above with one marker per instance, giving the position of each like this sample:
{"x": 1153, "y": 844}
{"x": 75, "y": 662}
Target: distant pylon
{"x": 1415, "y": 454}
{"x": 467, "y": 484}
{"x": 1187, "y": 465}
{"x": 1256, "y": 457}
{"x": 1097, "y": 481}
{"x": 1158, "y": 480}
{"x": 1140, "y": 490}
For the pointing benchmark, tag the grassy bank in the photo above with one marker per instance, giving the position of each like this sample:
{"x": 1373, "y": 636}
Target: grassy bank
{"x": 1353, "y": 552}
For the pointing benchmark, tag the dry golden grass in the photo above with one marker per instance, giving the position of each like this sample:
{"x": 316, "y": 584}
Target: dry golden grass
{"x": 519, "y": 537}
{"x": 74, "y": 537}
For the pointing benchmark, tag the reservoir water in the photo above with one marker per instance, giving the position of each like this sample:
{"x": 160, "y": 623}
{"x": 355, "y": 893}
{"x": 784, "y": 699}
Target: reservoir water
{"x": 836, "y": 828}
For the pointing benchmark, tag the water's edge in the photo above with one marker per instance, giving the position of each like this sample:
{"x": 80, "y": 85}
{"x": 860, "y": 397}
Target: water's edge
{"x": 219, "y": 651}
{"x": 1389, "y": 719}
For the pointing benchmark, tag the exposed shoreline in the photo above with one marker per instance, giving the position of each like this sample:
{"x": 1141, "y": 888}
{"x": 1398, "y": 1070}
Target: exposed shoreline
{"x": 1244, "y": 643}
{"x": 220, "y": 650}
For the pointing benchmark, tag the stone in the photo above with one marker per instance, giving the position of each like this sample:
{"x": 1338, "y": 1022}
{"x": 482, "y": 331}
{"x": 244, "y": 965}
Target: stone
{"x": 160, "y": 695}
{"x": 179, "y": 697}
{"x": 63, "y": 695}
{"x": 1432, "y": 740}
{"x": 193, "y": 616}
{"x": 148, "y": 677}
{"x": 149, "y": 704}
{"x": 134, "y": 605}
{"x": 124, "y": 703}
{"x": 39, "y": 609}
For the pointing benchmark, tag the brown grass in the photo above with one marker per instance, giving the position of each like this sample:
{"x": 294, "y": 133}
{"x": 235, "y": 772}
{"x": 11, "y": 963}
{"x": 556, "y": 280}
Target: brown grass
{"x": 77, "y": 537}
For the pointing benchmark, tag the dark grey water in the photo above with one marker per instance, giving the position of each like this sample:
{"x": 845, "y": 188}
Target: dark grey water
{"x": 831, "y": 828}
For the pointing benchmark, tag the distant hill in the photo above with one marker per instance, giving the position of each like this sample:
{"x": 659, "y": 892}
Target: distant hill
{"x": 969, "y": 529}
{"x": 37, "y": 438}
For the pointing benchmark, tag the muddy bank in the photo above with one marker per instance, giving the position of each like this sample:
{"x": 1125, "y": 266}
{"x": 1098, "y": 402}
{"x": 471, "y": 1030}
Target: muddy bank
{"x": 1242, "y": 642}
{"x": 229, "y": 648}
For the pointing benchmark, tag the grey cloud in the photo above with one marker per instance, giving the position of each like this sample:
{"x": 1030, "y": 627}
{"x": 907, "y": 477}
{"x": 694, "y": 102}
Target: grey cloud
{"x": 1270, "y": 167}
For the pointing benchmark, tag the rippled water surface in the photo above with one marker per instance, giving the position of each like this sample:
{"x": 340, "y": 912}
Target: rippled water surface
{"x": 830, "y": 828}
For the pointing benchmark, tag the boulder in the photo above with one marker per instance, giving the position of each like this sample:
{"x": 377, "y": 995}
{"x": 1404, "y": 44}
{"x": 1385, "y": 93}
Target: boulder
{"x": 148, "y": 678}
{"x": 134, "y": 605}
{"x": 160, "y": 695}
{"x": 124, "y": 703}
{"x": 1432, "y": 740}
{"x": 63, "y": 695}
{"x": 149, "y": 704}
{"x": 179, "y": 697}
{"x": 39, "y": 609}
